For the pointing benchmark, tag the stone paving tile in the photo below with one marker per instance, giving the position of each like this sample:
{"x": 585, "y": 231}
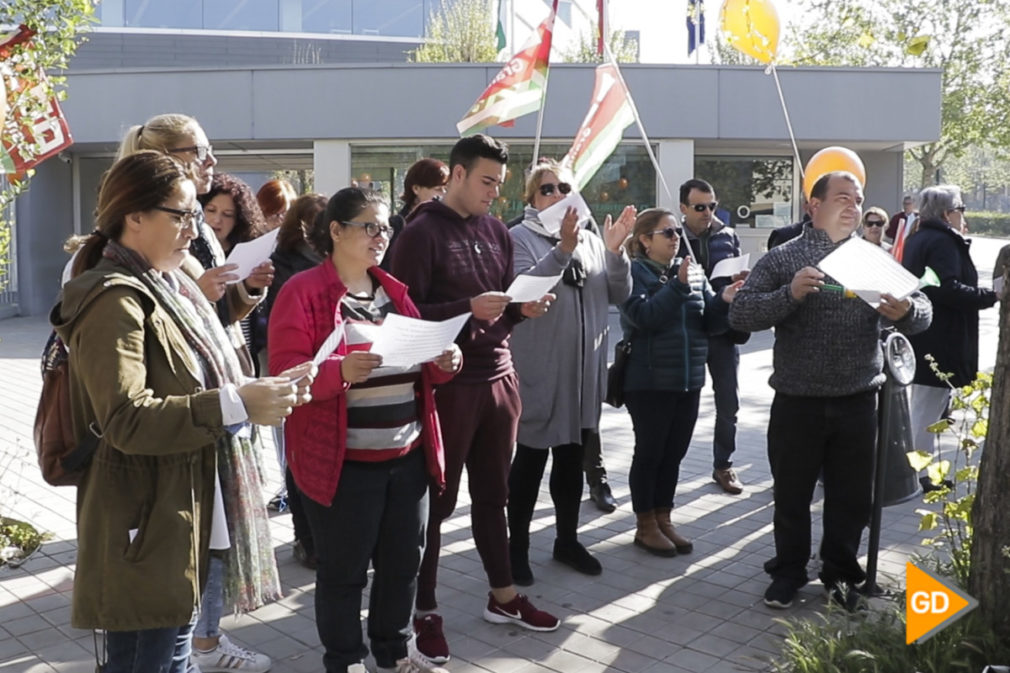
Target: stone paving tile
{"x": 645, "y": 614}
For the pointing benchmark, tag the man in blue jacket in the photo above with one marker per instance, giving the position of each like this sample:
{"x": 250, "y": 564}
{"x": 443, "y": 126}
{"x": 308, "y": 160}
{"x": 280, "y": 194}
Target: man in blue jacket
{"x": 711, "y": 242}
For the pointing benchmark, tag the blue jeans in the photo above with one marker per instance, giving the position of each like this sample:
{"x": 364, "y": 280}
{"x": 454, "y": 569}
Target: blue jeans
{"x": 212, "y": 603}
{"x": 149, "y": 650}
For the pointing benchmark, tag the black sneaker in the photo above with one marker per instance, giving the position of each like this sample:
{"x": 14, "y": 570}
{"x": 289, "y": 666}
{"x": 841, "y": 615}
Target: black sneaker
{"x": 845, "y": 595}
{"x": 780, "y": 593}
{"x": 574, "y": 555}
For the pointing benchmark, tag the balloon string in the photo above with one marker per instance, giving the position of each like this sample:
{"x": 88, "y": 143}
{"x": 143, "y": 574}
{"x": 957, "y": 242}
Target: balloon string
{"x": 789, "y": 125}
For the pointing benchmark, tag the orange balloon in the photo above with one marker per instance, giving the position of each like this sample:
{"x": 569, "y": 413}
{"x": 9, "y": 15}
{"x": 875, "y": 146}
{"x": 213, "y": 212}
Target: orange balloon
{"x": 832, "y": 159}
{"x": 752, "y": 26}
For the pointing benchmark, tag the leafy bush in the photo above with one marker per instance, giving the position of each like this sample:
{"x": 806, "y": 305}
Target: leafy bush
{"x": 985, "y": 223}
{"x": 17, "y": 541}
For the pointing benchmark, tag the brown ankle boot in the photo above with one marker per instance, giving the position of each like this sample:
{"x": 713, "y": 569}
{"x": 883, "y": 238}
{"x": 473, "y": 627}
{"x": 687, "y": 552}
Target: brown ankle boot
{"x": 648, "y": 537}
{"x": 683, "y": 545}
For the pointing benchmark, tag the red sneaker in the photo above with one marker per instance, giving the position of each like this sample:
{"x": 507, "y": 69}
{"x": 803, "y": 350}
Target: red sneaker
{"x": 519, "y": 611}
{"x": 430, "y": 640}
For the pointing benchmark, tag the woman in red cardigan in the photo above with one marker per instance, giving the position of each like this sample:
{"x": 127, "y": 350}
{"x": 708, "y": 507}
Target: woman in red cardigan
{"x": 366, "y": 449}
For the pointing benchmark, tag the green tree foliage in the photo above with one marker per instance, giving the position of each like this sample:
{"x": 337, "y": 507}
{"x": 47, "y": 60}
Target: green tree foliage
{"x": 968, "y": 42}
{"x": 459, "y": 31}
{"x": 625, "y": 50}
{"x": 58, "y": 25}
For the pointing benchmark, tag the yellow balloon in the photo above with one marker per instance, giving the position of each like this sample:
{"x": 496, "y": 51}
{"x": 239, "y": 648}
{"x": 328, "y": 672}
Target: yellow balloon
{"x": 832, "y": 159}
{"x": 752, "y": 26}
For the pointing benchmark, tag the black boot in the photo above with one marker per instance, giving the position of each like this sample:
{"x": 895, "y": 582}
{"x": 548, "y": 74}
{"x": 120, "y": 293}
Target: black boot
{"x": 604, "y": 499}
{"x": 574, "y": 555}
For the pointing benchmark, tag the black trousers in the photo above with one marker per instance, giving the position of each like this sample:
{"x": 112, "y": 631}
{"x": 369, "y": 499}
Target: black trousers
{"x": 664, "y": 422}
{"x": 806, "y": 435}
{"x": 525, "y": 476}
{"x": 378, "y": 514}
{"x": 303, "y": 532}
{"x": 723, "y": 364}
{"x": 592, "y": 458}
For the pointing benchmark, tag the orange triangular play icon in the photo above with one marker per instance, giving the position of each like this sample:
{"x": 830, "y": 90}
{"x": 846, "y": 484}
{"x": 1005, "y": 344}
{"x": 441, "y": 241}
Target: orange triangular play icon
{"x": 931, "y": 604}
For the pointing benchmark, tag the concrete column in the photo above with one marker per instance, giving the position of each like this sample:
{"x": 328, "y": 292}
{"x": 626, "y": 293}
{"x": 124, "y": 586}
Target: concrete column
{"x": 331, "y": 161}
{"x": 676, "y": 160}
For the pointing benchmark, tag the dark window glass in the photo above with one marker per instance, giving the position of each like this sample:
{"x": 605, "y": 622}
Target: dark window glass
{"x": 241, "y": 15}
{"x": 156, "y": 14}
{"x": 752, "y": 191}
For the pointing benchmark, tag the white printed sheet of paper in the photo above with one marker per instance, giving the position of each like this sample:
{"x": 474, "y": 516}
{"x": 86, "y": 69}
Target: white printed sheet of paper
{"x": 731, "y": 266}
{"x": 868, "y": 271}
{"x": 552, "y": 216}
{"x": 404, "y": 342}
{"x": 329, "y": 345}
{"x": 531, "y": 288}
{"x": 251, "y": 254}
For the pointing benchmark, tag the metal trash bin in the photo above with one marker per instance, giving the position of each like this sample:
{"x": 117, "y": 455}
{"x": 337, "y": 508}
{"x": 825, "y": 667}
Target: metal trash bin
{"x": 900, "y": 482}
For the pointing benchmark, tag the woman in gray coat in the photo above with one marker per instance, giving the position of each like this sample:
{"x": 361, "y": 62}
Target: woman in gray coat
{"x": 561, "y": 362}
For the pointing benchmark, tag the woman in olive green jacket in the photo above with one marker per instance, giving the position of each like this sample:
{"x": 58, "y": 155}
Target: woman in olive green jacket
{"x": 153, "y": 373}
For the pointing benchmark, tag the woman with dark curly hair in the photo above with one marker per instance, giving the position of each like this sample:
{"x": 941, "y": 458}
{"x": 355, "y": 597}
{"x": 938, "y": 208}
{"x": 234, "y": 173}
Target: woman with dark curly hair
{"x": 231, "y": 210}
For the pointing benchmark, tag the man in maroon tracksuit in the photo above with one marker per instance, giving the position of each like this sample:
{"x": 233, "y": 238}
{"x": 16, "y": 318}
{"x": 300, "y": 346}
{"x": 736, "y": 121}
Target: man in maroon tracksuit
{"x": 455, "y": 258}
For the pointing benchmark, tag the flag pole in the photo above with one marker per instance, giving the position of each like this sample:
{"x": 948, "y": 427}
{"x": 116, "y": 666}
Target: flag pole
{"x": 789, "y": 125}
{"x": 543, "y": 97}
{"x": 699, "y": 10}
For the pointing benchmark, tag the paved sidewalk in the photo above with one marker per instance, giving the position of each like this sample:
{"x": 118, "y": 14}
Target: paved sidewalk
{"x": 701, "y": 612}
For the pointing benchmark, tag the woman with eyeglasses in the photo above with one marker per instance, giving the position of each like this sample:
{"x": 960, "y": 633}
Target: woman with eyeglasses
{"x": 952, "y": 338}
{"x": 874, "y": 221}
{"x": 561, "y": 360}
{"x": 425, "y": 180}
{"x": 152, "y": 374}
{"x": 667, "y": 320}
{"x": 182, "y": 138}
{"x": 365, "y": 450}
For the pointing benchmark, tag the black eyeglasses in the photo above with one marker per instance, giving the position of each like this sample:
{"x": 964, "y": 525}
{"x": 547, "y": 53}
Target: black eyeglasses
{"x": 959, "y": 209}
{"x": 701, "y": 207}
{"x": 187, "y": 218}
{"x": 202, "y": 151}
{"x": 873, "y": 223}
{"x": 547, "y": 188}
{"x": 669, "y": 232}
{"x": 373, "y": 229}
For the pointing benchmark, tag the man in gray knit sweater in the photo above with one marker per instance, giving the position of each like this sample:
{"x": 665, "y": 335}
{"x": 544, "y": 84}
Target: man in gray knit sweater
{"x": 828, "y": 367}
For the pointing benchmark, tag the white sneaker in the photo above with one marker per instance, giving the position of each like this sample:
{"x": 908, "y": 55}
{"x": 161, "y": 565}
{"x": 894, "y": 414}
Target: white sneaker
{"x": 412, "y": 664}
{"x": 228, "y": 657}
{"x": 357, "y": 668}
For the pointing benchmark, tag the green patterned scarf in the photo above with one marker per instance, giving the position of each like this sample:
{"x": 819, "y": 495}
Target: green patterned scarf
{"x": 252, "y": 578}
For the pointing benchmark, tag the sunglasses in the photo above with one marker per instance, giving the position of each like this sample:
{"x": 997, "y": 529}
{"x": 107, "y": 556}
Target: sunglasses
{"x": 187, "y": 218}
{"x": 373, "y": 229}
{"x": 873, "y": 223}
{"x": 202, "y": 151}
{"x": 669, "y": 232}
{"x": 547, "y": 188}
{"x": 959, "y": 209}
{"x": 702, "y": 207}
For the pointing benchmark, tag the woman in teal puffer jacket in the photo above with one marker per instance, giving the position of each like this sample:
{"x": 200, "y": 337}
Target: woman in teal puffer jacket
{"x": 667, "y": 319}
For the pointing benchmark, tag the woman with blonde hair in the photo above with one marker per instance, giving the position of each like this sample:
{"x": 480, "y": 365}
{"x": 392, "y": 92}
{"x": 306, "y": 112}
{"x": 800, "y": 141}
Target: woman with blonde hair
{"x": 561, "y": 362}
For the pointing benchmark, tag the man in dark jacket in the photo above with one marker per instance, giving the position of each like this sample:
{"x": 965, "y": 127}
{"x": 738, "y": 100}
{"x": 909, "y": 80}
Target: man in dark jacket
{"x": 456, "y": 258}
{"x": 952, "y": 338}
{"x": 711, "y": 242}
{"x": 827, "y": 369}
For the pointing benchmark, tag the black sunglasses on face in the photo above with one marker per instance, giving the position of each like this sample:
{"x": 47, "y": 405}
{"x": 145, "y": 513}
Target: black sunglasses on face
{"x": 373, "y": 229}
{"x": 547, "y": 188}
{"x": 669, "y": 232}
{"x": 701, "y": 207}
{"x": 959, "y": 209}
{"x": 873, "y": 223}
{"x": 187, "y": 218}
{"x": 202, "y": 151}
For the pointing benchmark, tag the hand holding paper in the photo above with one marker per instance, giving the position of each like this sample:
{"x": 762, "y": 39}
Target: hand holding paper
{"x": 247, "y": 256}
{"x": 552, "y": 216}
{"x": 731, "y": 266}
{"x": 404, "y": 342}
{"x": 869, "y": 271}
{"x": 531, "y": 288}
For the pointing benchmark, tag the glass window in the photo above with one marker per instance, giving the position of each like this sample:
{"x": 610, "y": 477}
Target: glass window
{"x": 627, "y": 178}
{"x": 754, "y": 192}
{"x": 394, "y": 18}
{"x": 242, "y": 15}
{"x": 326, "y": 16}
{"x": 177, "y": 14}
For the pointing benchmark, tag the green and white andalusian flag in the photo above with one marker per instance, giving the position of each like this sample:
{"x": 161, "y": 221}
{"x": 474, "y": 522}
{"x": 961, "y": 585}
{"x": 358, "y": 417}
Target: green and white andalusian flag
{"x": 609, "y": 114}
{"x": 499, "y": 31}
{"x": 518, "y": 88}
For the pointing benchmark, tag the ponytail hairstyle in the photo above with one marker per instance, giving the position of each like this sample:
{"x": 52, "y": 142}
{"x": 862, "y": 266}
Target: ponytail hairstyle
{"x": 157, "y": 133}
{"x": 136, "y": 183}
{"x": 299, "y": 220}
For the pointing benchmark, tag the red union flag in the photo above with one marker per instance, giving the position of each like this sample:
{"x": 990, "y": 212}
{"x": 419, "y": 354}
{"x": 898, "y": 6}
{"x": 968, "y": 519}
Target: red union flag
{"x": 518, "y": 88}
{"x": 34, "y": 121}
{"x": 609, "y": 114}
